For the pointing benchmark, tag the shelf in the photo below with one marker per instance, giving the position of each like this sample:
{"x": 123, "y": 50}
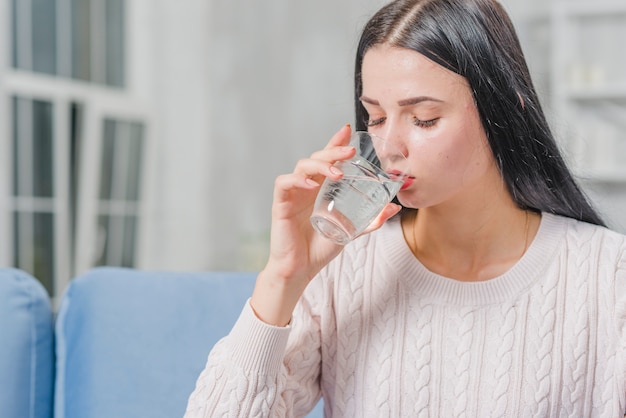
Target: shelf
{"x": 589, "y": 87}
{"x": 592, "y": 8}
{"x": 615, "y": 92}
{"x": 601, "y": 175}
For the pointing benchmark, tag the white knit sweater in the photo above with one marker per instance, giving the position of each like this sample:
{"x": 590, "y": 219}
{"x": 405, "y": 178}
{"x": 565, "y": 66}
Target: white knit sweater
{"x": 378, "y": 335}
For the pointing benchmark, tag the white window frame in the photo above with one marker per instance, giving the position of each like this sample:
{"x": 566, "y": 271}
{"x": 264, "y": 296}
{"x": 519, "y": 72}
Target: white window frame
{"x": 6, "y": 174}
{"x": 98, "y": 103}
{"x": 106, "y": 107}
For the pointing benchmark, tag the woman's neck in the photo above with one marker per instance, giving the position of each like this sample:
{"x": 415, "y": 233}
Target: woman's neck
{"x": 470, "y": 244}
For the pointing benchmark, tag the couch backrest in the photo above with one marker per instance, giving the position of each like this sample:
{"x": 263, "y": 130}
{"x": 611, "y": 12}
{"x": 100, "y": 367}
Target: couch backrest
{"x": 132, "y": 343}
{"x": 26, "y": 347}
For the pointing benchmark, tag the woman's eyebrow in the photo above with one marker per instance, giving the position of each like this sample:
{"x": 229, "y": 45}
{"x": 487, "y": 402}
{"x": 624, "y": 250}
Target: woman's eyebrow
{"x": 416, "y": 100}
{"x": 370, "y": 101}
{"x": 404, "y": 102}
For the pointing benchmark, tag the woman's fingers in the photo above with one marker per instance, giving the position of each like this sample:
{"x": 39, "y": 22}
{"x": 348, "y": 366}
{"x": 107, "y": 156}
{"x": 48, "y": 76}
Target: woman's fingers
{"x": 338, "y": 146}
{"x": 334, "y": 154}
{"x": 289, "y": 182}
{"x": 316, "y": 170}
{"x": 341, "y": 137}
{"x": 309, "y": 173}
{"x": 391, "y": 209}
{"x": 321, "y": 165}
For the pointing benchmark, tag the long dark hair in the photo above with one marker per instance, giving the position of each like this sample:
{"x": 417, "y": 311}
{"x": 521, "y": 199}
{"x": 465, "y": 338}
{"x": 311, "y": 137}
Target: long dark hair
{"x": 476, "y": 39}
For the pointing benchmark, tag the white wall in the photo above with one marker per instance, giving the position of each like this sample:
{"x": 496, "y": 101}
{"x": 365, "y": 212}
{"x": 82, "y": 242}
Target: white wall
{"x": 172, "y": 72}
{"x": 240, "y": 91}
{"x": 243, "y": 88}
{"x": 282, "y": 85}
{"x": 5, "y": 132}
{"x": 537, "y": 38}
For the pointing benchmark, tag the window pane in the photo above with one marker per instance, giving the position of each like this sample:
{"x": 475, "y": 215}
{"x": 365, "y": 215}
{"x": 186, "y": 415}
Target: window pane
{"x": 97, "y": 32}
{"x": 81, "y": 39}
{"x": 14, "y": 34}
{"x": 120, "y": 189}
{"x": 44, "y": 36}
{"x": 44, "y": 250}
{"x": 21, "y": 16}
{"x": 21, "y": 257}
{"x": 43, "y": 173}
{"x": 34, "y": 246}
{"x": 108, "y": 159}
{"x": 117, "y": 240}
{"x": 130, "y": 234}
{"x": 122, "y": 160}
{"x": 135, "y": 161}
{"x": 115, "y": 37}
{"x": 76, "y": 137}
{"x": 16, "y": 154}
{"x": 102, "y": 241}
{"x": 32, "y": 148}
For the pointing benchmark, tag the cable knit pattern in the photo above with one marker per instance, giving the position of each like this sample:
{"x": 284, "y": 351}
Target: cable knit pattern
{"x": 576, "y": 370}
{"x": 541, "y": 326}
{"x": 462, "y": 357}
{"x": 503, "y": 360}
{"x": 417, "y": 381}
{"x": 350, "y": 330}
{"x": 618, "y": 300}
{"x": 378, "y": 335}
{"x": 609, "y": 344}
{"x": 383, "y": 325}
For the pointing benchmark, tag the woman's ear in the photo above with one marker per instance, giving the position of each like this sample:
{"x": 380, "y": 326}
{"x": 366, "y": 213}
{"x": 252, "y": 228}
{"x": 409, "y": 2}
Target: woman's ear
{"x": 521, "y": 99}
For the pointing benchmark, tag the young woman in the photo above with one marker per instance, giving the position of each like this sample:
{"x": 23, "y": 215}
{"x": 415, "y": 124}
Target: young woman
{"x": 495, "y": 291}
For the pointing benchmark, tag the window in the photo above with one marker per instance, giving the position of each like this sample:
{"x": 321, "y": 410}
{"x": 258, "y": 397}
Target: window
{"x": 81, "y": 39}
{"x": 33, "y": 189}
{"x": 74, "y": 144}
{"x": 118, "y": 209}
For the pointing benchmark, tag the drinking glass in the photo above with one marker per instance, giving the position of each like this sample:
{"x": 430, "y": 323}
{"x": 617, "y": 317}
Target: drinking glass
{"x": 344, "y": 208}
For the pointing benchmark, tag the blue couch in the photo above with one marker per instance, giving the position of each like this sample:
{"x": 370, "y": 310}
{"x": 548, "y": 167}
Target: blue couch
{"x": 125, "y": 343}
{"x": 26, "y": 347}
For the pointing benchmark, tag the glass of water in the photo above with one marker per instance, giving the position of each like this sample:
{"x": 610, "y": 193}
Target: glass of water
{"x": 344, "y": 208}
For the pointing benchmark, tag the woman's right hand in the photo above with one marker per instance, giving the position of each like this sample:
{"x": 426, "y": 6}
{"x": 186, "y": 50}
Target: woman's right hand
{"x": 297, "y": 251}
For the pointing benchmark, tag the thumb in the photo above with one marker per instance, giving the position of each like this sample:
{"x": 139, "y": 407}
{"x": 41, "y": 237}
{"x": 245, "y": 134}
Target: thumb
{"x": 390, "y": 210}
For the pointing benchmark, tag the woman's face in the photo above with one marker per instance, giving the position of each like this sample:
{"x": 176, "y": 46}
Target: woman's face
{"x": 430, "y": 113}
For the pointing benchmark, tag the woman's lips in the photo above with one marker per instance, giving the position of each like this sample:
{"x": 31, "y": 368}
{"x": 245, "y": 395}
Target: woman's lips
{"x": 407, "y": 183}
{"x": 408, "y": 180}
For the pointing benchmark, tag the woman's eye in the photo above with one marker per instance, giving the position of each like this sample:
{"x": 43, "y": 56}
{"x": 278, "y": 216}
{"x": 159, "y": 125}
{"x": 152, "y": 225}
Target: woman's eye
{"x": 374, "y": 122}
{"x": 425, "y": 123}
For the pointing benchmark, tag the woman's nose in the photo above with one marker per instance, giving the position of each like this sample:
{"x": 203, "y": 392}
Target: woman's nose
{"x": 391, "y": 154}
{"x": 395, "y": 138}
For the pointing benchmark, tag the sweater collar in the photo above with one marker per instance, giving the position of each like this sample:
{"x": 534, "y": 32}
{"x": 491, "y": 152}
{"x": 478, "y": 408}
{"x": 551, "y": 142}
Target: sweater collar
{"x": 517, "y": 280}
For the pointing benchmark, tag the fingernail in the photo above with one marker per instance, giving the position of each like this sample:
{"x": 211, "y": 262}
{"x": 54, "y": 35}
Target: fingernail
{"x": 335, "y": 170}
{"x": 311, "y": 182}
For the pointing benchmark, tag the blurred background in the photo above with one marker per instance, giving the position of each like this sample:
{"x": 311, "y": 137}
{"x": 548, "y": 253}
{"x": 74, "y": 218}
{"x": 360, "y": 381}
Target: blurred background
{"x": 148, "y": 133}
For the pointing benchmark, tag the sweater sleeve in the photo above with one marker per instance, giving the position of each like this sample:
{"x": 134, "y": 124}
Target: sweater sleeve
{"x": 620, "y": 313}
{"x": 260, "y": 370}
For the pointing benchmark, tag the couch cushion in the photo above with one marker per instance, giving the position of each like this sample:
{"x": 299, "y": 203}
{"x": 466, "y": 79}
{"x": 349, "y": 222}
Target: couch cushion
{"x": 26, "y": 347}
{"x": 132, "y": 343}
